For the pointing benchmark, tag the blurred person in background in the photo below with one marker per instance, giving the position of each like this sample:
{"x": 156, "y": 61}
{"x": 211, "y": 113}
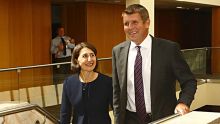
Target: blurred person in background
{"x": 61, "y": 48}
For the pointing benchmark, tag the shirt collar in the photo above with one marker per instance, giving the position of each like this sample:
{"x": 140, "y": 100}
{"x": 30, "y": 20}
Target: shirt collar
{"x": 145, "y": 44}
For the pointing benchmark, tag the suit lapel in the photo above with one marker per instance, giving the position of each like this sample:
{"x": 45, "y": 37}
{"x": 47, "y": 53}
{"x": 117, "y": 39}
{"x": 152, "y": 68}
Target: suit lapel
{"x": 155, "y": 52}
{"x": 123, "y": 59}
{"x": 153, "y": 56}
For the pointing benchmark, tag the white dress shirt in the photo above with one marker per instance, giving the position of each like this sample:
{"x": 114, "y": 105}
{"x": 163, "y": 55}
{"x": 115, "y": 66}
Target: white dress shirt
{"x": 56, "y": 41}
{"x": 146, "y": 73}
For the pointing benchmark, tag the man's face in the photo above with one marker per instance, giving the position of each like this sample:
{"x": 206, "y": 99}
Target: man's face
{"x": 134, "y": 27}
{"x": 61, "y": 32}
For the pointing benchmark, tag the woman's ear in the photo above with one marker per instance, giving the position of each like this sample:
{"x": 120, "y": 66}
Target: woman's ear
{"x": 77, "y": 62}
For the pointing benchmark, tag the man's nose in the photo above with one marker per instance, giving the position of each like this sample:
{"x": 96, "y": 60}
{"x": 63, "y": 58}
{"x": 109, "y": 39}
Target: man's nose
{"x": 130, "y": 25}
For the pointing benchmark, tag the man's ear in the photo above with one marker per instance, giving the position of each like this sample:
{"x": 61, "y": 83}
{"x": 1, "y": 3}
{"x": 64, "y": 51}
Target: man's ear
{"x": 147, "y": 23}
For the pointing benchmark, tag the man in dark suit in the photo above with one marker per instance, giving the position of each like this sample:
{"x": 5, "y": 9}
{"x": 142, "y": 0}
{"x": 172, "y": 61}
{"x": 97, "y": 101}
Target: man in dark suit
{"x": 162, "y": 64}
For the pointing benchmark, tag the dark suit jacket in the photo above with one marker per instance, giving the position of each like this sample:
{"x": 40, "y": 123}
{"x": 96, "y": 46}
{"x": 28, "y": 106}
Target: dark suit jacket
{"x": 99, "y": 99}
{"x": 167, "y": 66}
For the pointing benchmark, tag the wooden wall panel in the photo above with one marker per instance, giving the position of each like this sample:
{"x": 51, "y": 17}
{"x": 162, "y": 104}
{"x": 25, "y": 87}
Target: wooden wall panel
{"x": 105, "y": 30}
{"x": 167, "y": 28}
{"x": 4, "y": 47}
{"x": 75, "y": 21}
{"x": 41, "y": 40}
{"x": 20, "y": 26}
{"x": 5, "y": 44}
{"x": 104, "y": 26}
{"x": 190, "y": 28}
{"x": 215, "y": 40}
{"x": 26, "y": 35}
{"x": 20, "y": 20}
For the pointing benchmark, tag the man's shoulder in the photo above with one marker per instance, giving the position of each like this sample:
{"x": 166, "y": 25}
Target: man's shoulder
{"x": 56, "y": 39}
{"x": 122, "y": 44}
{"x": 164, "y": 41}
{"x": 66, "y": 37}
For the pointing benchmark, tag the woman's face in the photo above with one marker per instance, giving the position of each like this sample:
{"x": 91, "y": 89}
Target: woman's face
{"x": 87, "y": 59}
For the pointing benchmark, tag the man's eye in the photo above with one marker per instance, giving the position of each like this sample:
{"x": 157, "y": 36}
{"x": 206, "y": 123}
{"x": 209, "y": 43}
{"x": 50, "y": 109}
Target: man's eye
{"x": 135, "y": 22}
{"x": 126, "y": 24}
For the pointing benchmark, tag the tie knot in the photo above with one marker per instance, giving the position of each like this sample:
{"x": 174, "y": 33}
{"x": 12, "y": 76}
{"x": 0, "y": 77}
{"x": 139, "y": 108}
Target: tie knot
{"x": 138, "y": 48}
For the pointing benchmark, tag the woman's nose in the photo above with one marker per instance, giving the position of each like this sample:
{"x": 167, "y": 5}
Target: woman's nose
{"x": 89, "y": 58}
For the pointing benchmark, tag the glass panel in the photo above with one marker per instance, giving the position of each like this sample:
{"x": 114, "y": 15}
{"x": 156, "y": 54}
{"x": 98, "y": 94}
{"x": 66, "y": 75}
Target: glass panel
{"x": 42, "y": 85}
{"x": 60, "y": 72}
{"x": 8, "y": 83}
{"x": 105, "y": 66}
{"x": 196, "y": 59}
{"x": 215, "y": 62}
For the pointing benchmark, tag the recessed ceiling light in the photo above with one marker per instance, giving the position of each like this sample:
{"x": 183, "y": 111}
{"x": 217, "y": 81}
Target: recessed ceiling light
{"x": 179, "y": 7}
{"x": 197, "y": 9}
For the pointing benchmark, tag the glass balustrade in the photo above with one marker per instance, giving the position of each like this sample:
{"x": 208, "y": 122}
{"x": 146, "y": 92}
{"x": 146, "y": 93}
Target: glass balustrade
{"x": 39, "y": 84}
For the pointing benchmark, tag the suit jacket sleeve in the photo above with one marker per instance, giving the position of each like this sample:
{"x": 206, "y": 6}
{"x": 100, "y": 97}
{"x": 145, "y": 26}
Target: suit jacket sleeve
{"x": 116, "y": 89}
{"x": 184, "y": 76}
{"x": 66, "y": 107}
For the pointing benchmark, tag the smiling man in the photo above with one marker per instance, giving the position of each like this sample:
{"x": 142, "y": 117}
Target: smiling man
{"x": 145, "y": 70}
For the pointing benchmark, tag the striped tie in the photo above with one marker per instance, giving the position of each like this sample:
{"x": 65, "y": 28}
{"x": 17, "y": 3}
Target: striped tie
{"x": 138, "y": 83}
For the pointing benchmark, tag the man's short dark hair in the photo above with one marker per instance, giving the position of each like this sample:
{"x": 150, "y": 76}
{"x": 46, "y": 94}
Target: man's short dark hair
{"x": 137, "y": 8}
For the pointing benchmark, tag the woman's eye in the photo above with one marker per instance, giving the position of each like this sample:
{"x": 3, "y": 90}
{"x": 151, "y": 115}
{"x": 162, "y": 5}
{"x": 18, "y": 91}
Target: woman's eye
{"x": 92, "y": 55}
{"x": 85, "y": 56}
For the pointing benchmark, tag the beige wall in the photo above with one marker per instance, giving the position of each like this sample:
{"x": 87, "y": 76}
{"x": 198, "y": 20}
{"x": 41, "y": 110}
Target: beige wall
{"x": 206, "y": 94}
{"x": 149, "y": 4}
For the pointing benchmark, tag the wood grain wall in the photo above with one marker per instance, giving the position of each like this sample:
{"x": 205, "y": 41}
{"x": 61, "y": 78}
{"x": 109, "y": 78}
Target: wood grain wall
{"x": 25, "y": 37}
{"x": 190, "y": 28}
{"x": 74, "y": 20}
{"x": 97, "y": 23}
{"x": 215, "y": 40}
{"x": 105, "y": 30}
{"x": 25, "y": 34}
{"x": 104, "y": 26}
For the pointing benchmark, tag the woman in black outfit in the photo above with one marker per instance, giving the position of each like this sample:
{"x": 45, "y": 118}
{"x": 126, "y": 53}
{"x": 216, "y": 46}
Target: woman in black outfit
{"x": 87, "y": 94}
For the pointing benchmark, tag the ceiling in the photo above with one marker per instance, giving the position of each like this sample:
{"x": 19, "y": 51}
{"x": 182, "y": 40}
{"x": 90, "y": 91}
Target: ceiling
{"x": 160, "y": 4}
{"x": 172, "y": 4}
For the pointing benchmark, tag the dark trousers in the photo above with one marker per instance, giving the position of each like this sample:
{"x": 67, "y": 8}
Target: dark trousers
{"x": 60, "y": 72}
{"x": 132, "y": 118}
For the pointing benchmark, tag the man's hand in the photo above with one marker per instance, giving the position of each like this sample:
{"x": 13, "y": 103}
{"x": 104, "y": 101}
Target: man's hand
{"x": 72, "y": 41}
{"x": 60, "y": 47}
{"x": 182, "y": 109}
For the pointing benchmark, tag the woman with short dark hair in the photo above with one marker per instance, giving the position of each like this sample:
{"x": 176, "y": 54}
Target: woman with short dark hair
{"x": 87, "y": 94}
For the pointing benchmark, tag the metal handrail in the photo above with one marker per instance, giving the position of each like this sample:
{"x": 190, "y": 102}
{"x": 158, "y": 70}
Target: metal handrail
{"x": 22, "y": 107}
{"x": 206, "y": 48}
{"x": 44, "y": 65}
{"x": 165, "y": 118}
{"x": 99, "y": 59}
